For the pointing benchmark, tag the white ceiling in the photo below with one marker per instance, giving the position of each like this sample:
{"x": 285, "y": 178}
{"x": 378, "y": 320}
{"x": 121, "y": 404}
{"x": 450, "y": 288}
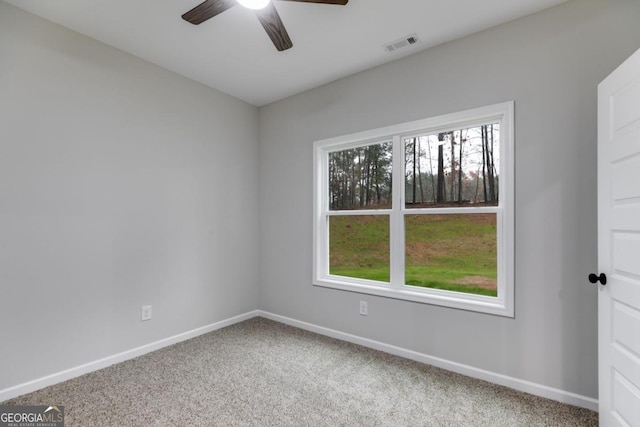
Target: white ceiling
{"x": 232, "y": 53}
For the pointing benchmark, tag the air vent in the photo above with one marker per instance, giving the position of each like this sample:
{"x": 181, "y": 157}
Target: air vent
{"x": 401, "y": 43}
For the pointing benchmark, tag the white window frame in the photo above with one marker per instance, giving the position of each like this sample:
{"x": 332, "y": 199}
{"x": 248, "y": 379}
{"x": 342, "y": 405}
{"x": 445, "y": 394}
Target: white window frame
{"x": 503, "y": 304}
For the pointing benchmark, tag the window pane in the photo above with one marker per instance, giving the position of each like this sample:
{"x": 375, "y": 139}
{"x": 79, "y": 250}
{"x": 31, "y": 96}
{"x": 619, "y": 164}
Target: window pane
{"x": 452, "y": 252}
{"x": 360, "y": 178}
{"x": 457, "y": 168}
{"x": 359, "y": 246}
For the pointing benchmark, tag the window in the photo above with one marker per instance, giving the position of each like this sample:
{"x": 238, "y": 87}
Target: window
{"x": 421, "y": 211}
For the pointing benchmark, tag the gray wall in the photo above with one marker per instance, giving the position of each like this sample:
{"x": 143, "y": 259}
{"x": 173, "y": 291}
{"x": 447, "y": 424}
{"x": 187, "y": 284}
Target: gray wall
{"x": 121, "y": 184}
{"x": 550, "y": 64}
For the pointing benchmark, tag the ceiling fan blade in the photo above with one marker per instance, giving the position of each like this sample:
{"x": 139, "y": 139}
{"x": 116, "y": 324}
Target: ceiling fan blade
{"x": 270, "y": 20}
{"x": 207, "y": 10}
{"x": 340, "y": 2}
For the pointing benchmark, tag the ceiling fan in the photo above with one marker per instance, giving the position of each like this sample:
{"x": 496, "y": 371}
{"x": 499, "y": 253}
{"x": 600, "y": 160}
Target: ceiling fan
{"x": 265, "y": 11}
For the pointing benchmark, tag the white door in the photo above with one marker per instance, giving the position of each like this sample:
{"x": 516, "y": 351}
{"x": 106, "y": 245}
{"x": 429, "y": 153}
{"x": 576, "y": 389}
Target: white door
{"x": 619, "y": 245}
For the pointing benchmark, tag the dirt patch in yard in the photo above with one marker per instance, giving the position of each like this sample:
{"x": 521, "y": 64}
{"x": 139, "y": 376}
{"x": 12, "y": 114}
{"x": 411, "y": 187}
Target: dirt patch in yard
{"x": 479, "y": 281}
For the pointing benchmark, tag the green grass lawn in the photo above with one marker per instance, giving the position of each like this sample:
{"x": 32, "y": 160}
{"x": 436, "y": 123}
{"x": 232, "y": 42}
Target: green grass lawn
{"x": 451, "y": 252}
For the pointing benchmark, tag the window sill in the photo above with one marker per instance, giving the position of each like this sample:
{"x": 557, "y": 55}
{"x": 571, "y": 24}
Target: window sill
{"x": 457, "y": 300}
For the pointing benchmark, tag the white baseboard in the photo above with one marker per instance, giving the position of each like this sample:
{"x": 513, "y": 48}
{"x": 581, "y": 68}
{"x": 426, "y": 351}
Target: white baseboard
{"x": 470, "y": 371}
{"x": 37, "y": 384}
{"x": 493, "y": 377}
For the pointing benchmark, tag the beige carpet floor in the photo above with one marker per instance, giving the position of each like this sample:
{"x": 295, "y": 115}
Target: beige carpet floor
{"x": 264, "y": 373}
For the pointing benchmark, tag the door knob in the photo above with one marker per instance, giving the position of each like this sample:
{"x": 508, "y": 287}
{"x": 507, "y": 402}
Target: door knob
{"x": 602, "y": 278}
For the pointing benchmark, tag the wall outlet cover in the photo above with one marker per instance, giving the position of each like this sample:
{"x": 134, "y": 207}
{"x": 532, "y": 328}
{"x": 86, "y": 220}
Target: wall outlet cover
{"x": 145, "y": 313}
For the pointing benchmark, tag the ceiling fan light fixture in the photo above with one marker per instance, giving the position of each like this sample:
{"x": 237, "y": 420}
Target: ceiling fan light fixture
{"x": 254, "y": 4}
{"x": 269, "y": 17}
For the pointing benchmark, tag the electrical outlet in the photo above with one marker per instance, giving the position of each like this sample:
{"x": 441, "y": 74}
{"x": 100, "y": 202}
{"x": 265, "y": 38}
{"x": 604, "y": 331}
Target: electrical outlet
{"x": 145, "y": 313}
{"x": 364, "y": 310}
